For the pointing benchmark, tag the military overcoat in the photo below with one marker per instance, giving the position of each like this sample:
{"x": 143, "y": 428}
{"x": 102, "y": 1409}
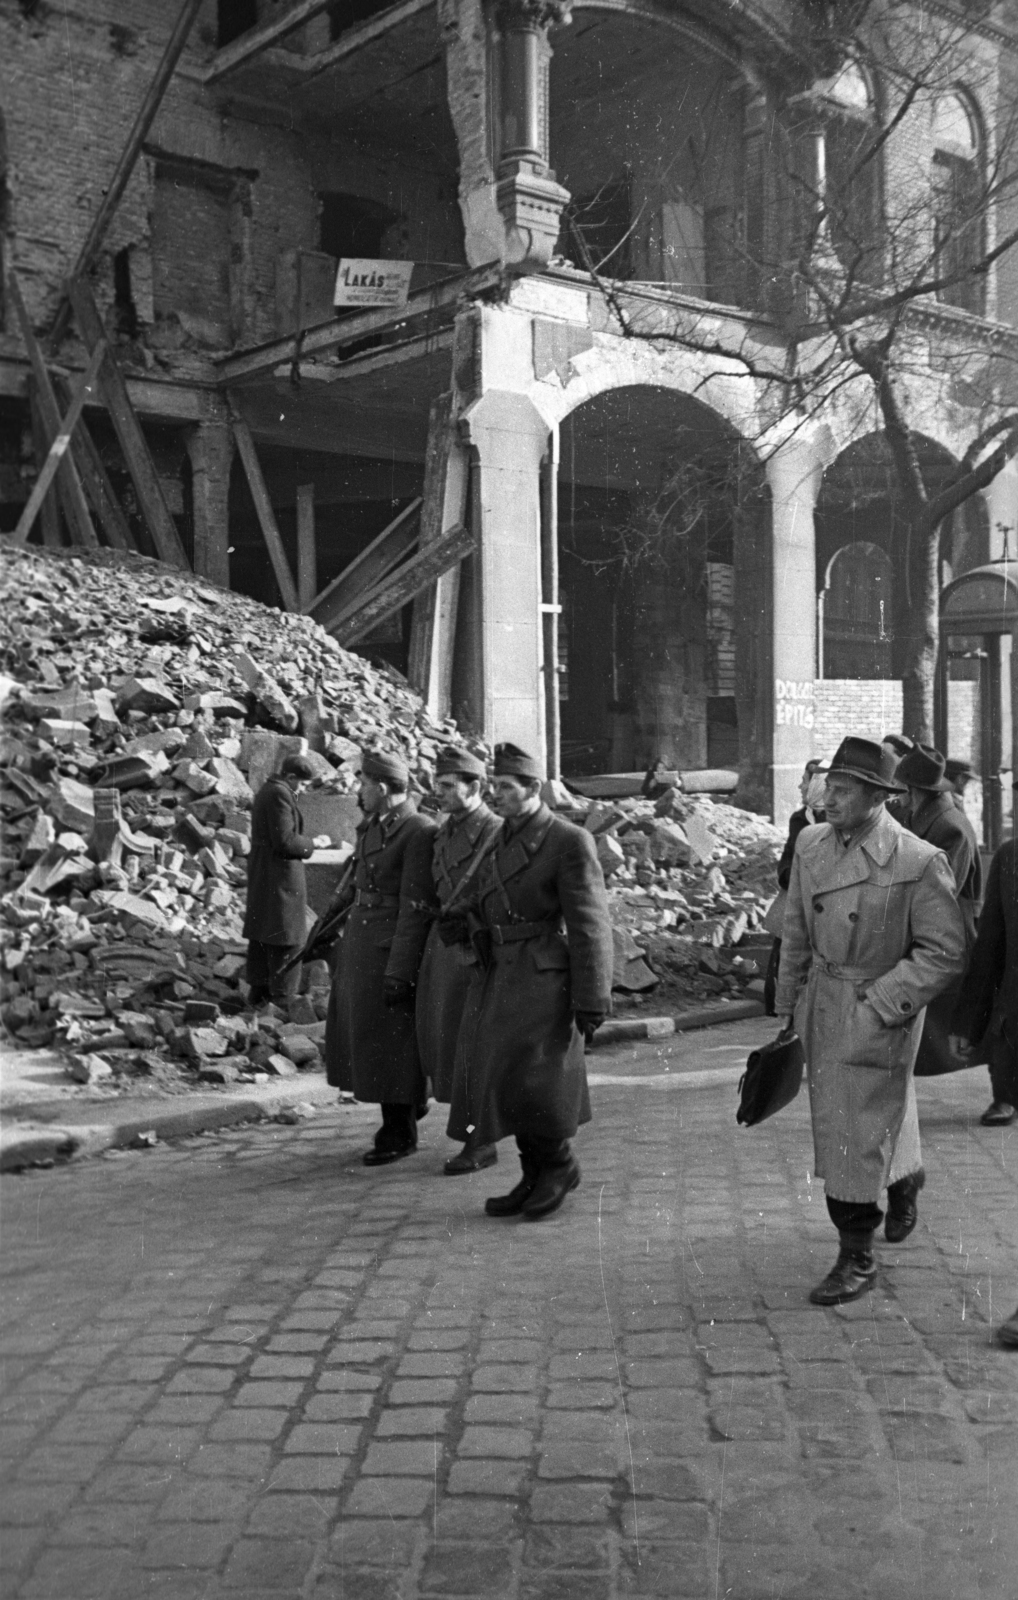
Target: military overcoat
{"x": 371, "y": 1048}
{"x": 989, "y": 997}
{"x": 276, "y": 891}
{"x": 943, "y": 824}
{"x": 878, "y": 918}
{"x": 447, "y": 969}
{"x": 541, "y": 900}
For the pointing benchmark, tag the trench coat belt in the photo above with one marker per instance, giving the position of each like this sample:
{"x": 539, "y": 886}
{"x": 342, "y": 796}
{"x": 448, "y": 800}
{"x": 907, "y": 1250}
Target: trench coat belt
{"x": 372, "y": 900}
{"x": 832, "y": 969}
{"x": 510, "y": 932}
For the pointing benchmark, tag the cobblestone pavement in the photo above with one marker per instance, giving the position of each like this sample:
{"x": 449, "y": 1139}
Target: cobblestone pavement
{"x": 248, "y": 1366}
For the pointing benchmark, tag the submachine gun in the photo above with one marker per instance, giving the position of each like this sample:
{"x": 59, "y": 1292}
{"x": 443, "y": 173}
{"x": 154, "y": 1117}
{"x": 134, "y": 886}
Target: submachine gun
{"x": 328, "y": 927}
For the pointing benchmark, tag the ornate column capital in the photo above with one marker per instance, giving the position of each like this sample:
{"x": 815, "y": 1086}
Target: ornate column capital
{"x": 516, "y": 14}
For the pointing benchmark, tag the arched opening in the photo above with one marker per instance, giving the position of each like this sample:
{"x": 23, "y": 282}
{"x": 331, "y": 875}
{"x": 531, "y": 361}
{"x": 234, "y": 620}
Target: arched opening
{"x": 959, "y": 211}
{"x": 655, "y": 494}
{"x": 857, "y": 604}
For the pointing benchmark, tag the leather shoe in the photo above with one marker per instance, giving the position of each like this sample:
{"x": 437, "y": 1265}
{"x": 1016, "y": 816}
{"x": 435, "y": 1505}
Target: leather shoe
{"x": 1007, "y": 1333}
{"x": 388, "y": 1154}
{"x": 507, "y": 1205}
{"x": 471, "y": 1159}
{"x": 902, "y": 1211}
{"x": 852, "y": 1274}
{"x": 998, "y": 1114}
{"x": 551, "y": 1188}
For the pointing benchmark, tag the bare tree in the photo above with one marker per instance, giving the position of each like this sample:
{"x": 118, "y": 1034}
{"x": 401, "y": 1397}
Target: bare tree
{"x": 890, "y": 199}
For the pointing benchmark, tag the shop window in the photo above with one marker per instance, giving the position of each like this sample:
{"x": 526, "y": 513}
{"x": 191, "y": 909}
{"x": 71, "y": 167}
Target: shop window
{"x": 959, "y": 239}
{"x": 857, "y": 611}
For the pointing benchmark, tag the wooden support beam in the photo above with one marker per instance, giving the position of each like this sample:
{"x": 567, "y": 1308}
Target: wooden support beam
{"x": 307, "y": 555}
{"x": 129, "y": 155}
{"x": 337, "y": 335}
{"x": 368, "y": 569}
{"x": 92, "y": 470}
{"x": 51, "y": 531}
{"x": 59, "y": 446}
{"x": 266, "y": 516}
{"x": 403, "y": 585}
{"x": 72, "y": 495}
{"x": 137, "y": 455}
{"x": 445, "y": 505}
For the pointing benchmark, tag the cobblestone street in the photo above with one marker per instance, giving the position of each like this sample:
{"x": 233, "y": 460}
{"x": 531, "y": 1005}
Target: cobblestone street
{"x": 245, "y": 1365}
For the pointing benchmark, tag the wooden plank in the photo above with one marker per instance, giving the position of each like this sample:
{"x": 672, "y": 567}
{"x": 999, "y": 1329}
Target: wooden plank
{"x": 401, "y": 586}
{"x": 59, "y": 446}
{"x": 366, "y": 571}
{"x": 72, "y": 495}
{"x": 137, "y": 455}
{"x": 335, "y": 335}
{"x": 307, "y": 555}
{"x": 96, "y": 480}
{"x": 129, "y": 155}
{"x": 256, "y": 40}
{"x": 445, "y": 505}
{"x": 266, "y": 515}
{"x": 51, "y": 527}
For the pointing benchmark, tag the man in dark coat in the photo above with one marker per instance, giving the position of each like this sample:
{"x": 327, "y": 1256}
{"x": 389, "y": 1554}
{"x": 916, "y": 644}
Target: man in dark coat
{"x": 460, "y": 844}
{"x": 370, "y": 1037}
{"x": 934, "y": 816}
{"x": 537, "y": 997}
{"x": 988, "y": 1007}
{"x": 276, "y": 920}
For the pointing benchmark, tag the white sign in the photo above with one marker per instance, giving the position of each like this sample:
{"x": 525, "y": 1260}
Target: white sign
{"x": 372, "y": 283}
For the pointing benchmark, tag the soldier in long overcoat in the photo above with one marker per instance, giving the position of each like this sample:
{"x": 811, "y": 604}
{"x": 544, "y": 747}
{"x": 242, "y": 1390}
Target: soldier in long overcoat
{"x": 370, "y": 1036}
{"x": 935, "y": 816}
{"x": 540, "y": 926}
{"x": 872, "y": 933}
{"x": 460, "y": 844}
{"x": 275, "y": 922}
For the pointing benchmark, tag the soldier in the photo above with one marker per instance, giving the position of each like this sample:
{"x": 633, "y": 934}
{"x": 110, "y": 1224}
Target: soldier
{"x": 276, "y": 919}
{"x": 537, "y": 998}
{"x": 459, "y": 845}
{"x": 872, "y": 933}
{"x": 370, "y": 1038}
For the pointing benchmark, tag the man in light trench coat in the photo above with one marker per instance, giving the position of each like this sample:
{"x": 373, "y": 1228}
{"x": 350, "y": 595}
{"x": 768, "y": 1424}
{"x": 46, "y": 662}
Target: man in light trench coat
{"x": 872, "y": 933}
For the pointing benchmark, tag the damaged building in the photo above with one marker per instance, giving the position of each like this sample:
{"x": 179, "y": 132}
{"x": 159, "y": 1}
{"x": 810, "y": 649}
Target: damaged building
{"x": 577, "y": 526}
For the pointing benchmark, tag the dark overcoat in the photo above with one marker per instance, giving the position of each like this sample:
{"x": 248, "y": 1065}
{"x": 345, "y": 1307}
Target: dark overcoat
{"x": 446, "y": 970}
{"x": 941, "y": 822}
{"x": 989, "y": 996}
{"x": 878, "y": 919}
{"x": 519, "y": 1057}
{"x": 276, "y": 892}
{"x": 371, "y": 1048}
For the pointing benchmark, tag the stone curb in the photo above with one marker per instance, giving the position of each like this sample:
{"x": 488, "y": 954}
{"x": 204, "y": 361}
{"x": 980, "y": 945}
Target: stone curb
{"x": 618, "y": 1030}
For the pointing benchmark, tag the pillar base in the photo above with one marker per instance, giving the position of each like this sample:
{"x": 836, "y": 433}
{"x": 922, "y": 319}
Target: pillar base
{"x": 531, "y": 204}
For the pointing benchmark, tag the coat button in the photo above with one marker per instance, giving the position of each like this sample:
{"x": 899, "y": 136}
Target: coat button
{"x": 853, "y": 916}
{"x": 906, "y": 1005}
{"x": 818, "y": 905}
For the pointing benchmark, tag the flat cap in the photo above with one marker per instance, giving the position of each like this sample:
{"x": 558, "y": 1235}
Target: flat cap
{"x": 385, "y": 766}
{"x": 512, "y": 762}
{"x": 297, "y": 767}
{"x": 457, "y": 759}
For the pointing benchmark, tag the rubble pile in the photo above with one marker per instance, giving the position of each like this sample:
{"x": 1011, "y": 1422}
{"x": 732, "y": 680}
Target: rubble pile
{"x": 689, "y": 882}
{"x": 142, "y": 708}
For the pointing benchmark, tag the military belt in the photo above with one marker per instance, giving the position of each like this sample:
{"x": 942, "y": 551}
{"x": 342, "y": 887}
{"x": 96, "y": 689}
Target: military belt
{"x": 509, "y": 933}
{"x": 372, "y": 900}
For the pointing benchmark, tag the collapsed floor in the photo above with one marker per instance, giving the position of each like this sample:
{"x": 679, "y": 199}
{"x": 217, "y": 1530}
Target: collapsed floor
{"x": 143, "y": 708}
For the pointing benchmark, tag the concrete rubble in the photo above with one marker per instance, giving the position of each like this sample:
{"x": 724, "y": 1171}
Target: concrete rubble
{"x": 142, "y": 710}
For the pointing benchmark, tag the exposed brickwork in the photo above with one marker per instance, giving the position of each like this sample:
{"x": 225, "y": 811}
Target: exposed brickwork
{"x": 868, "y": 707}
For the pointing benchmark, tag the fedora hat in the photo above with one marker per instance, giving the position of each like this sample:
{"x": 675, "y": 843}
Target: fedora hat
{"x": 923, "y": 769}
{"x": 868, "y": 761}
{"x": 955, "y": 769}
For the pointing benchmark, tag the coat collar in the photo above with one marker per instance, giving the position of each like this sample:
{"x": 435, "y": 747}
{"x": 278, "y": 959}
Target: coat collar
{"x": 843, "y": 867}
{"x": 377, "y": 831}
{"x": 468, "y": 827}
{"x": 926, "y": 814}
{"x": 515, "y": 850}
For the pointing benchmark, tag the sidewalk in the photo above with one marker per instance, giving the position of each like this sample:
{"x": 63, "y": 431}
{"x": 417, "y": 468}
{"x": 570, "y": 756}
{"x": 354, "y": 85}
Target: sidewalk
{"x": 248, "y": 1366}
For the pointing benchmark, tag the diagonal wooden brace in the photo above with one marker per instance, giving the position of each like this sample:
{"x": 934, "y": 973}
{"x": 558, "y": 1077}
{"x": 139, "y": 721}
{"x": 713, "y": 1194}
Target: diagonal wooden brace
{"x": 60, "y": 445}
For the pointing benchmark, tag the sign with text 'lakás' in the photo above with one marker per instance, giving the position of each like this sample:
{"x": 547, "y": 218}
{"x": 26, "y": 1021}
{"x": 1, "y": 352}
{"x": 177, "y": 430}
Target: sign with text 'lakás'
{"x": 372, "y": 283}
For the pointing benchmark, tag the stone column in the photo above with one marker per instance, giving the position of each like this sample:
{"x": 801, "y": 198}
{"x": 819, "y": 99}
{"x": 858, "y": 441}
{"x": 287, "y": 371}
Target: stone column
{"x": 794, "y": 471}
{"x": 210, "y": 447}
{"x": 529, "y": 198}
{"x": 510, "y": 438}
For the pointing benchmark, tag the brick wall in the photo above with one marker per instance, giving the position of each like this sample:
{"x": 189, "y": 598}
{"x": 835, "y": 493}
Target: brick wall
{"x": 868, "y": 707}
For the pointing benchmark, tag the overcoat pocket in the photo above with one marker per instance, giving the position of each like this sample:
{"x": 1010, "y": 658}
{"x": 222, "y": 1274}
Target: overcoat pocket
{"x": 870, "y": 1043}
{"x": 551, "y": 955}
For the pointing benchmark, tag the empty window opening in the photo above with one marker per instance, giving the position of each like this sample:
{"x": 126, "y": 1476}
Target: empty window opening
{"x": 959, "y": 238}
{"x": 234, "y": 17}
{"x": 345, "y": 14}
{"x": 125, "y": 310}
{"x": 351, "y": 226}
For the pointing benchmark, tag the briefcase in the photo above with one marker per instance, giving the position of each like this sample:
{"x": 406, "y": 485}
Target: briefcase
{"x": 772, "y": 1079}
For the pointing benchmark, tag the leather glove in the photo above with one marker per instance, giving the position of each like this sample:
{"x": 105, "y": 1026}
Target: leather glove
{"x": 396, "y": 992}
{"x": 453, "y": 930}
{"x": 588, "y": 1023}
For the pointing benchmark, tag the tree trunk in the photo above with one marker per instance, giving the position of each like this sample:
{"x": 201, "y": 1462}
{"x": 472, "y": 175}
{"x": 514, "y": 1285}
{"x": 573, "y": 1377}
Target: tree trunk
{"x": 922, "y": 633}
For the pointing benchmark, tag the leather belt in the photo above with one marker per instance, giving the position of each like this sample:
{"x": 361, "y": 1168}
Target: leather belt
{"x": 511, "y": 932}
{"x": 372, "y": 900}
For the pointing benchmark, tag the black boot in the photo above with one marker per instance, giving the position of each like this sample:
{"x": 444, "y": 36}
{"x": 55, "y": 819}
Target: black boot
{"x": 551, "y": 1188}
{"x": 472, "y": 1158}
{"x": 902, "y": 1210}
{"x": 507, "y": 1205}
{"x": 853, "y": 1273}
